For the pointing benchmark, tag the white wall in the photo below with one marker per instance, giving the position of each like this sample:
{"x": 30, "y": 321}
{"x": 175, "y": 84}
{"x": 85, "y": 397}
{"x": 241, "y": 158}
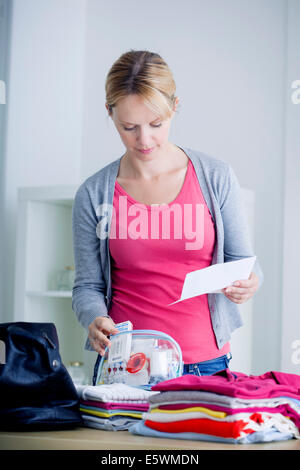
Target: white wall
{"x": 5, "y": 22}
{"x": 44, "y": 128}
{"x": 229, "y": 62}
{"x": 290, "y": 350}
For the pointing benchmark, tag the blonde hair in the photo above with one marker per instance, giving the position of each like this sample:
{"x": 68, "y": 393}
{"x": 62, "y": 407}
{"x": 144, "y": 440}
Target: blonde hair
{"x": 145, "y": 74}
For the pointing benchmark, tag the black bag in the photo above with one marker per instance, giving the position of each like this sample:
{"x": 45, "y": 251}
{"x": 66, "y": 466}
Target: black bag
{"x": 37, "y": 392}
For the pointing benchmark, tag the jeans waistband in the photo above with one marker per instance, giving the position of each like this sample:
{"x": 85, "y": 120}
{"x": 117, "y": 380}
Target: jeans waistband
{"x": 221, "y": 358}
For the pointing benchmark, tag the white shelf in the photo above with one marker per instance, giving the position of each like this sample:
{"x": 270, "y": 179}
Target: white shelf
{"x": 58, "y": 194}
{"x": 50, "y": 293}
{"x": 44, "y": 247}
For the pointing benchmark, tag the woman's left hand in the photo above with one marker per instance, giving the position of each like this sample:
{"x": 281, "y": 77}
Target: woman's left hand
{"x": 241, "y": 291}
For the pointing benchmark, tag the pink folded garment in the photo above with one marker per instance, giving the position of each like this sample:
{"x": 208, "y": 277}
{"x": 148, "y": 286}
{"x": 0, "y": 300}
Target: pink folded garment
{"x": 285, "y": 409}
{"x": 116, "y": 406}
{"x": 236, "y": 384}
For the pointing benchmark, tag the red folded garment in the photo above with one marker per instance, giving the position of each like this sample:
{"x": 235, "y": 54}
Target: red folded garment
{"x": 236, "y": 384}
{"x": 203, "y": 426}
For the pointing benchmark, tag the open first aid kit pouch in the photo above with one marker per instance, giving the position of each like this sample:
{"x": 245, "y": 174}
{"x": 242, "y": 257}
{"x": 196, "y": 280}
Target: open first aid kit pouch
{"x": 140, "y": 358}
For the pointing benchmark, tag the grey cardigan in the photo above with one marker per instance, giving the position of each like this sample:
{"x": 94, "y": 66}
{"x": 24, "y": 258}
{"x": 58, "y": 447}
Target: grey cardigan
{"x": 91, "y": 219}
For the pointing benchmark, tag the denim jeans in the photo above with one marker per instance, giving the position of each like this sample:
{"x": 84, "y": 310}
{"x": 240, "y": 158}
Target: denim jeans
{"x": 208, "y": 367}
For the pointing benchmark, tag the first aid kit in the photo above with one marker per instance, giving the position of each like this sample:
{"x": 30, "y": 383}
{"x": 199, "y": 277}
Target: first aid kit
{"x": 139, "y": 358}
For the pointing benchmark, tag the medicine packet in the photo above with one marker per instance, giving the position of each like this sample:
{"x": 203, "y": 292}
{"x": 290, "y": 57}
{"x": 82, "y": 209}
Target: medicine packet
{"x": 120, "y": 345}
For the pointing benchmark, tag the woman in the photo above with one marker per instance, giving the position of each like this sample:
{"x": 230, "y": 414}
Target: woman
{"x": 131, "y": 257}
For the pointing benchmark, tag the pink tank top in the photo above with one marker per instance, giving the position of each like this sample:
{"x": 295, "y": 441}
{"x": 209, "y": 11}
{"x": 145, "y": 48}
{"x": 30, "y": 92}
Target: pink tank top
{"x": 152, "y": 249}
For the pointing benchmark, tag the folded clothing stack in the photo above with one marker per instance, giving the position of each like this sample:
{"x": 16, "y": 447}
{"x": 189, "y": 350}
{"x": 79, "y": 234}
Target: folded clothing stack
{"x": 112, "y": 407}
{"x": 225, "y": 407}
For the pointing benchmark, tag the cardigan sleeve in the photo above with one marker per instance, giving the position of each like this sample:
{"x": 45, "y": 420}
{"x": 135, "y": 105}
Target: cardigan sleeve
{"x": 89, "y": 290}
{"x": 237, "y": 243}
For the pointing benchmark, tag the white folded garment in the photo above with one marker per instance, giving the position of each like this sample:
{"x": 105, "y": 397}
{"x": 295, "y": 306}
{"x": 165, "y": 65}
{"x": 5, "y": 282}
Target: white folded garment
{"x": 117, "y": 392}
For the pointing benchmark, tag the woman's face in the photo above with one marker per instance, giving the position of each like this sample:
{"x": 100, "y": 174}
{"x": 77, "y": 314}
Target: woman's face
{"x": 140, "y": 128}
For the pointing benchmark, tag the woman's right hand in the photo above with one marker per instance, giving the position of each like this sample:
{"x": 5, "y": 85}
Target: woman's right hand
{"x": 99, "y": 330}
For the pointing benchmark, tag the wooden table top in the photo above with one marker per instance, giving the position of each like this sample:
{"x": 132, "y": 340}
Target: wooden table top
{"x": 84, "y": 438}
